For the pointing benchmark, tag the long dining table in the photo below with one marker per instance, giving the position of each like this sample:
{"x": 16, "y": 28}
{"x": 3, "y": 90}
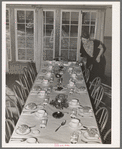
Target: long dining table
{"x": 46, "y": 133}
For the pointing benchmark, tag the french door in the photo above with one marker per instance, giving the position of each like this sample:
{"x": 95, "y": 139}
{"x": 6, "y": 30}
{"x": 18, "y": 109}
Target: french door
{"x": 66, "y": 30}
{"x": 70, "y": 30}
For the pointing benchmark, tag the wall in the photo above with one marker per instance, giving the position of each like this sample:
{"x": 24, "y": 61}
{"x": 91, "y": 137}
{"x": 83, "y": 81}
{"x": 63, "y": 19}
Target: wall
{"x": 108, "y": 41}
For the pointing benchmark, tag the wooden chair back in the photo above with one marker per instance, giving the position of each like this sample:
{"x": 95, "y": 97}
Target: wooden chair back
{"x": 102, "y": 117}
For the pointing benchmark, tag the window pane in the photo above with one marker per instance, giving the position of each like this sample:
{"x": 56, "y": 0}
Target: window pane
{"x": 49, "y": 29}
{"x": 43, "y": 16}
{"x": 92, "y": 32}
{"x": 86, "y": 18}
{"x": 72, "y": 55}
{"x": 30, "y": 54}
{"x": 20, "y": 29}
{"x": 93, "y": 18}
{"x": 74, "y": 17}
{"x": 29, "y": 42}
{"x": 49, "y": 17}
{"x": 7, "y": 16}
{"x": 86, "y": 28}
{"x": 29, "y": 30}
{"x": 47, "y": 43}
{"x": 21, "y": 16}
{"x": 74, "y": 31}
{"x": 65, "y": 30}
{"x": 48, "y": 55}
{"x": 64, "y": 43}
{"x": 21, "y": 42}
{"x": 21, "y": 54}
{"x": 29, "y": 17}
{"x": 73, "y": 43}
{"x": 64, "y": 54}
{"x": 65, "y": 17}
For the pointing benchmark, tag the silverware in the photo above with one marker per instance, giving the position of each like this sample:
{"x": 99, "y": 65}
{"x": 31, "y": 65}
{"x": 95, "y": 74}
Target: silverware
{"x": 19, "y": 139}
{"x": 90, "y": 141}
{"x": 63, "y": 123}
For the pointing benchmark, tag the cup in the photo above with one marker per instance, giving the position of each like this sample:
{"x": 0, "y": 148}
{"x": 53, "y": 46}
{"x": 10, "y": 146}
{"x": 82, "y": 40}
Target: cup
{"x": 71, "y": 83}
{"x": 48, "y": 75}
{"x": 73, "y": 75}
{"x": 75, "y": 122}
{"x": 74, "y": 102}
{"x": 42, "y": 93}
{"x": 41, "y": 113}
{"x": 50, "y": 67}
{"x": 74, "y": 137}
{"x": 45, "y": 82}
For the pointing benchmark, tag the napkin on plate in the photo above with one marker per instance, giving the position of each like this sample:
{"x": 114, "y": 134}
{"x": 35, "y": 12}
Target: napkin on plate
{"x": 90, "y": 135}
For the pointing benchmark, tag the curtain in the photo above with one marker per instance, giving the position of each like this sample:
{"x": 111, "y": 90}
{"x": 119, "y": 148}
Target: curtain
{"x": 100, "y": 25}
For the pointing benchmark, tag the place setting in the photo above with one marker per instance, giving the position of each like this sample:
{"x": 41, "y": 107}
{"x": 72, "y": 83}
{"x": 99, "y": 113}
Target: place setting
{"x": 85, "y": 111}
{"x": 74, "y": 103}
{"x": 90, "y": 135}
{"x": 75, "y": 124}
{"x": 32, "y": 140}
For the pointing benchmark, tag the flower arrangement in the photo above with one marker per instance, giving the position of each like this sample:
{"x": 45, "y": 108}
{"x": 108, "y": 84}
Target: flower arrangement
{"x": 60, "y": 101}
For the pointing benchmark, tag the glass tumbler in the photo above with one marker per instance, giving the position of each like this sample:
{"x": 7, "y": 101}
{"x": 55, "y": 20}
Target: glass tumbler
{"x": 74, "y": 137}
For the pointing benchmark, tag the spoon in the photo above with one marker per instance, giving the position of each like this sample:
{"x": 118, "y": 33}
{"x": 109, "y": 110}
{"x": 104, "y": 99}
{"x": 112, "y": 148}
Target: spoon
{"x": 63, "y": 123}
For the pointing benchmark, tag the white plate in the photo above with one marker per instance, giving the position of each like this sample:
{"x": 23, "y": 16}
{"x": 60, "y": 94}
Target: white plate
{"x": 73, "y": 106}
{"x": 44, "y": 71}
{"x": 31, "y": 106}
{"x": 86, "y": 135}
{"x": 40, "y": 117}
{"x": 26, "y": 132}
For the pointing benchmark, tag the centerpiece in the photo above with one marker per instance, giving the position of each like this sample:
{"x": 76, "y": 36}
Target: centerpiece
{"x": 60, "y": 101}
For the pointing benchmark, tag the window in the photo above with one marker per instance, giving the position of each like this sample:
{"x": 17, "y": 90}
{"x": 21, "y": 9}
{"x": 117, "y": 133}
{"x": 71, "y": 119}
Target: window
{"x": 24, "y": 35}
{"x": 69, "y": 34}
{"x": 48, "y": 35}
{"x": 89, "y": 22}
{"x": 8, "y": 43}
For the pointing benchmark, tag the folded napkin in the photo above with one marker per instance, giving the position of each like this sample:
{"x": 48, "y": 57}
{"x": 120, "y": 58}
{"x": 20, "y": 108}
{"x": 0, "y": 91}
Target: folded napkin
{"x": 90, "y": 135}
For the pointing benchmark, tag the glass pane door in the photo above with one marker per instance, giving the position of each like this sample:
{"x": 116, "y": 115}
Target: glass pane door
{"x": 69, "y": 34}
{"x": 89, "y": 22}
{"x": 48, "y": 35}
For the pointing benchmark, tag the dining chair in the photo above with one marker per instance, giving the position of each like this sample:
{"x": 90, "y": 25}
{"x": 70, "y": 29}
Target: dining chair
{"x": 95, "y": 83}
{"x": 107, "y": 89}
{"x": 28, "y": 76}
{"x": 9, "y": 127}
{"x": 97, "y": 96}
{"x": 90, "y": 67}
{"x": 102, "y": 117}
{"x": 107, "y": 137}
{"x": 32, "y": 67}
{"x": 12, "y": 110}
{"x": 19, "y": 96}
{"x": 86, "y": 74}
{"x": 24, "y": 85}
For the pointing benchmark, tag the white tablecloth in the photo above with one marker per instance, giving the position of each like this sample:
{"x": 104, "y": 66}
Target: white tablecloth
{"x": 48, "y": 134}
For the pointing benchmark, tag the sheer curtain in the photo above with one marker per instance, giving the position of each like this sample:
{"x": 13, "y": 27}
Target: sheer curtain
{"x": 100, "y": 25}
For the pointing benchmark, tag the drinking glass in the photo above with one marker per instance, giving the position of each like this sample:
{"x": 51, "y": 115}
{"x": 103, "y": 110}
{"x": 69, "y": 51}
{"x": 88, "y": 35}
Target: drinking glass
{"x": 74, "y": 137}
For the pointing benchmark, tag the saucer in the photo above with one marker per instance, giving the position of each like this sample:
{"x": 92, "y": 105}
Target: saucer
{"x": 73, "y": 106}
{"x": 44, "y": 71}
{"x": 77, "y": 127}
{"x": 23, "y": 130}
{"x": 40, "y": 117}
{"x": 31, "y": 106}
